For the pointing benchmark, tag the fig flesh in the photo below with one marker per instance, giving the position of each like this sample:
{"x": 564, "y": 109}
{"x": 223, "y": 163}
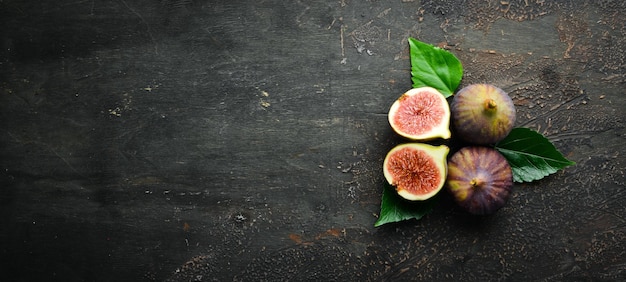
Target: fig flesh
{"x": 479, "y": 179}
{"x": 482, "y": 114}
{"x": 416, "y": 170}
{"x": 421, "y": 114}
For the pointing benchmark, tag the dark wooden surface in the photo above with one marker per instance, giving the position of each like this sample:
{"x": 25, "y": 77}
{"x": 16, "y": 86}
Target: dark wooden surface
{"x": 199, "y": 140}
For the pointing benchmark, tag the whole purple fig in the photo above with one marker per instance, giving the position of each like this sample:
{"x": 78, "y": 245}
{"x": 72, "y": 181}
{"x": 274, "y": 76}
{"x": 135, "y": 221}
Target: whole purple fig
{"x": 482, "y": 114}
{"x": 480, "y": 179}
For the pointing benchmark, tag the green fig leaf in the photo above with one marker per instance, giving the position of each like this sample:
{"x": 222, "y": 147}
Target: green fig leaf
{"x": 394, "y": 208}
{"x": 531, "y": 155}
{"x": 434, "y": 67}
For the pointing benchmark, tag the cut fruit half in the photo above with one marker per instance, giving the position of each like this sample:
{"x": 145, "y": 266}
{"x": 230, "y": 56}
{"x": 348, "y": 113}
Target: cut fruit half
{"x": 421, "y": 114}
{"x": 417, "y": 171}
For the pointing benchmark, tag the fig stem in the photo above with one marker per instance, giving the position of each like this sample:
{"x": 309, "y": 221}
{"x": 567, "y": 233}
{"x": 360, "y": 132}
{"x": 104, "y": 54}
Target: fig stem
{"x": 476, "y": 183}
{"x": 490, "y": 105}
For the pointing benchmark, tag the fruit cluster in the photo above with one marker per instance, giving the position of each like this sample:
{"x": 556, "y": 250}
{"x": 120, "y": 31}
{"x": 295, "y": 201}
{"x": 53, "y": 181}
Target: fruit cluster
{"x": 478, "y": 176}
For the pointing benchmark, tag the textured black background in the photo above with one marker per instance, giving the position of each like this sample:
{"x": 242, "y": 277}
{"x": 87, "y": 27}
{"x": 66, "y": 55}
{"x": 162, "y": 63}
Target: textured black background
{"x": 243, "y": 140}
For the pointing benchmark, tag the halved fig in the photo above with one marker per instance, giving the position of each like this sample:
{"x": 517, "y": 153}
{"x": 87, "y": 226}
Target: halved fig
{"x": 479, "y": 179}
{"x": 421, "y": 114}
{"x": 416, "y": 170}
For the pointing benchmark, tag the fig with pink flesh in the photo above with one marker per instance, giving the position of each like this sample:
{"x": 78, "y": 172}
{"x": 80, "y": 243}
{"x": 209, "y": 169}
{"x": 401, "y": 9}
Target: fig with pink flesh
{"x": 421, "y": 114}
{"x": 416, "y": 170}
{"x": 482, "y": 114}
{"x": 480, "y": 179}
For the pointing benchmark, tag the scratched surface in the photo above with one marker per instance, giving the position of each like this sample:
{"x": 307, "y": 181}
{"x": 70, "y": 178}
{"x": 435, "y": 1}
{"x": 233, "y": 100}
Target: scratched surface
{"x": 189, "y": 140}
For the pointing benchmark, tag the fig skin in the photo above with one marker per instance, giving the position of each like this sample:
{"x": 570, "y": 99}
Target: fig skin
{"x": 480, "y": 179}
{"x": 482, "y": 114}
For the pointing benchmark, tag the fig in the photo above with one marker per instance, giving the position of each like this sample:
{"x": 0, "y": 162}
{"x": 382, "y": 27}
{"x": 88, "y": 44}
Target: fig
{"x": 418, "y": 171}
{"x": 479, "y": 179}
{"x": 421, "y": 114}
{"x": 482, "y": 114}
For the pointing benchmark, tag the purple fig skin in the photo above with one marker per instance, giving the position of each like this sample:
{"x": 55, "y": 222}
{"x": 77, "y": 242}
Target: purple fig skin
{"x": 479, "y": 179}
{"x": 482, "y": 114}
